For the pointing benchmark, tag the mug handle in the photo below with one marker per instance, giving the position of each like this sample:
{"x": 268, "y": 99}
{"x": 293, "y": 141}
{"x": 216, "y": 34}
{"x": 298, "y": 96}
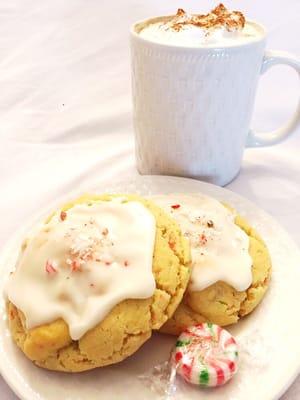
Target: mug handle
{"x": 257, "y": 139}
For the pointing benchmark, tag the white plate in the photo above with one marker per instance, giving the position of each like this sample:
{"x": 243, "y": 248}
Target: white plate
{"x": 268, "y": 338}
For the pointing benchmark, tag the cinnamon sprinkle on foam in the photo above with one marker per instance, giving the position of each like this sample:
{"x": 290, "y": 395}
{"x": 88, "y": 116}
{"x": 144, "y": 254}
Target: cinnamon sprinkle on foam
{"x": 217, "y": 18}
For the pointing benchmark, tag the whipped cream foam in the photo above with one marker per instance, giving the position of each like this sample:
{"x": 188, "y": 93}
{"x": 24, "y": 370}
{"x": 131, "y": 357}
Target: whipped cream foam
{"x": 219, "y": 247}
{"x": 82, "y": 263}
{"x": 220, "y": 27}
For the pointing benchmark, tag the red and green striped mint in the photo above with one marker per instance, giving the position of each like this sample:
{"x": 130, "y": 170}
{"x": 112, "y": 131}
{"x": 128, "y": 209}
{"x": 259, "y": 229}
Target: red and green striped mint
{"x": 206, "y": 355}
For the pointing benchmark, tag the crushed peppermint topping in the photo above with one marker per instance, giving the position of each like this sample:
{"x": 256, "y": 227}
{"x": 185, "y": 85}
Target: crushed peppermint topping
{"x": 87, "y": 243}
{"x": 75, "y": 266}
{"x": 63, "y": 215}
{"x": 203, "y": 239}
{"x": 50, "y": 267}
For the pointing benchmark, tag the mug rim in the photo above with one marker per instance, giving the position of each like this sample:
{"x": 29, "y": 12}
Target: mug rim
{"x": 136, "y": 35}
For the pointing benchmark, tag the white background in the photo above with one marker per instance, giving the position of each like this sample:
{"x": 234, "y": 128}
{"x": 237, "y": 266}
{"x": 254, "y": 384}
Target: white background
{"x": 65, "y": 110}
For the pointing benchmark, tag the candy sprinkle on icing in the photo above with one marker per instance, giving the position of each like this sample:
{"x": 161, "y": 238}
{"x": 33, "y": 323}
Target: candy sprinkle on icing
{"x": 205, "y": 355}
{"x": 49, "y": 267}
{"x": 63, "y": 215}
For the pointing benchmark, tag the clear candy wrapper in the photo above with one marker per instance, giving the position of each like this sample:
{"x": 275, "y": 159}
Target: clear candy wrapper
{"x": 162, "y": 380}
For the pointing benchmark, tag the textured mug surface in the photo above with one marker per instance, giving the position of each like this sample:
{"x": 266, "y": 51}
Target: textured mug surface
{"x": 192, "y": 107}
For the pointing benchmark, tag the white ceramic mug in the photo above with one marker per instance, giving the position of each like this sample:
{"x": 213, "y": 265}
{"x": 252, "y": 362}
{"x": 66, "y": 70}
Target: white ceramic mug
{"x": 192, "y": 106}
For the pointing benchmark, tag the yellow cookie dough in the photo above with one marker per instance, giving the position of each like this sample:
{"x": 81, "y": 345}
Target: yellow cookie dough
{"x": 221, "y": 303}
{"x": 129, "y": 324}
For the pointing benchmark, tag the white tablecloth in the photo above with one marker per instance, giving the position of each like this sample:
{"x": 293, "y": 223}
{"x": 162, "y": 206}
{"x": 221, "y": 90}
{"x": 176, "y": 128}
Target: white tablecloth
{"x": 65, "y": 111}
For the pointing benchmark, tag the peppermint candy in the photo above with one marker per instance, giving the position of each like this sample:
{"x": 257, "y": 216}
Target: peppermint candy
{"x": 205, "y": 355}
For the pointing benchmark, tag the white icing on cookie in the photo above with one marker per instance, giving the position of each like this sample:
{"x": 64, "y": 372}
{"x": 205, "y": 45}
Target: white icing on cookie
{"x": 219, "y": 247}
{"x": 84, "y": 262}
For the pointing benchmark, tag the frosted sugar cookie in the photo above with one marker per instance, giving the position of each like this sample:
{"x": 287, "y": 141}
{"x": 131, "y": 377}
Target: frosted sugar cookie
{"x": 231, "y": 265}
{"x": 93, "y": 281}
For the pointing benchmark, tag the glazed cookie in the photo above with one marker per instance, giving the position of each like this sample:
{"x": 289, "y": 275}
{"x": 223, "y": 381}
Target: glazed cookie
{"x": 102, "y": 273}
{"x": 231, "y": 264}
